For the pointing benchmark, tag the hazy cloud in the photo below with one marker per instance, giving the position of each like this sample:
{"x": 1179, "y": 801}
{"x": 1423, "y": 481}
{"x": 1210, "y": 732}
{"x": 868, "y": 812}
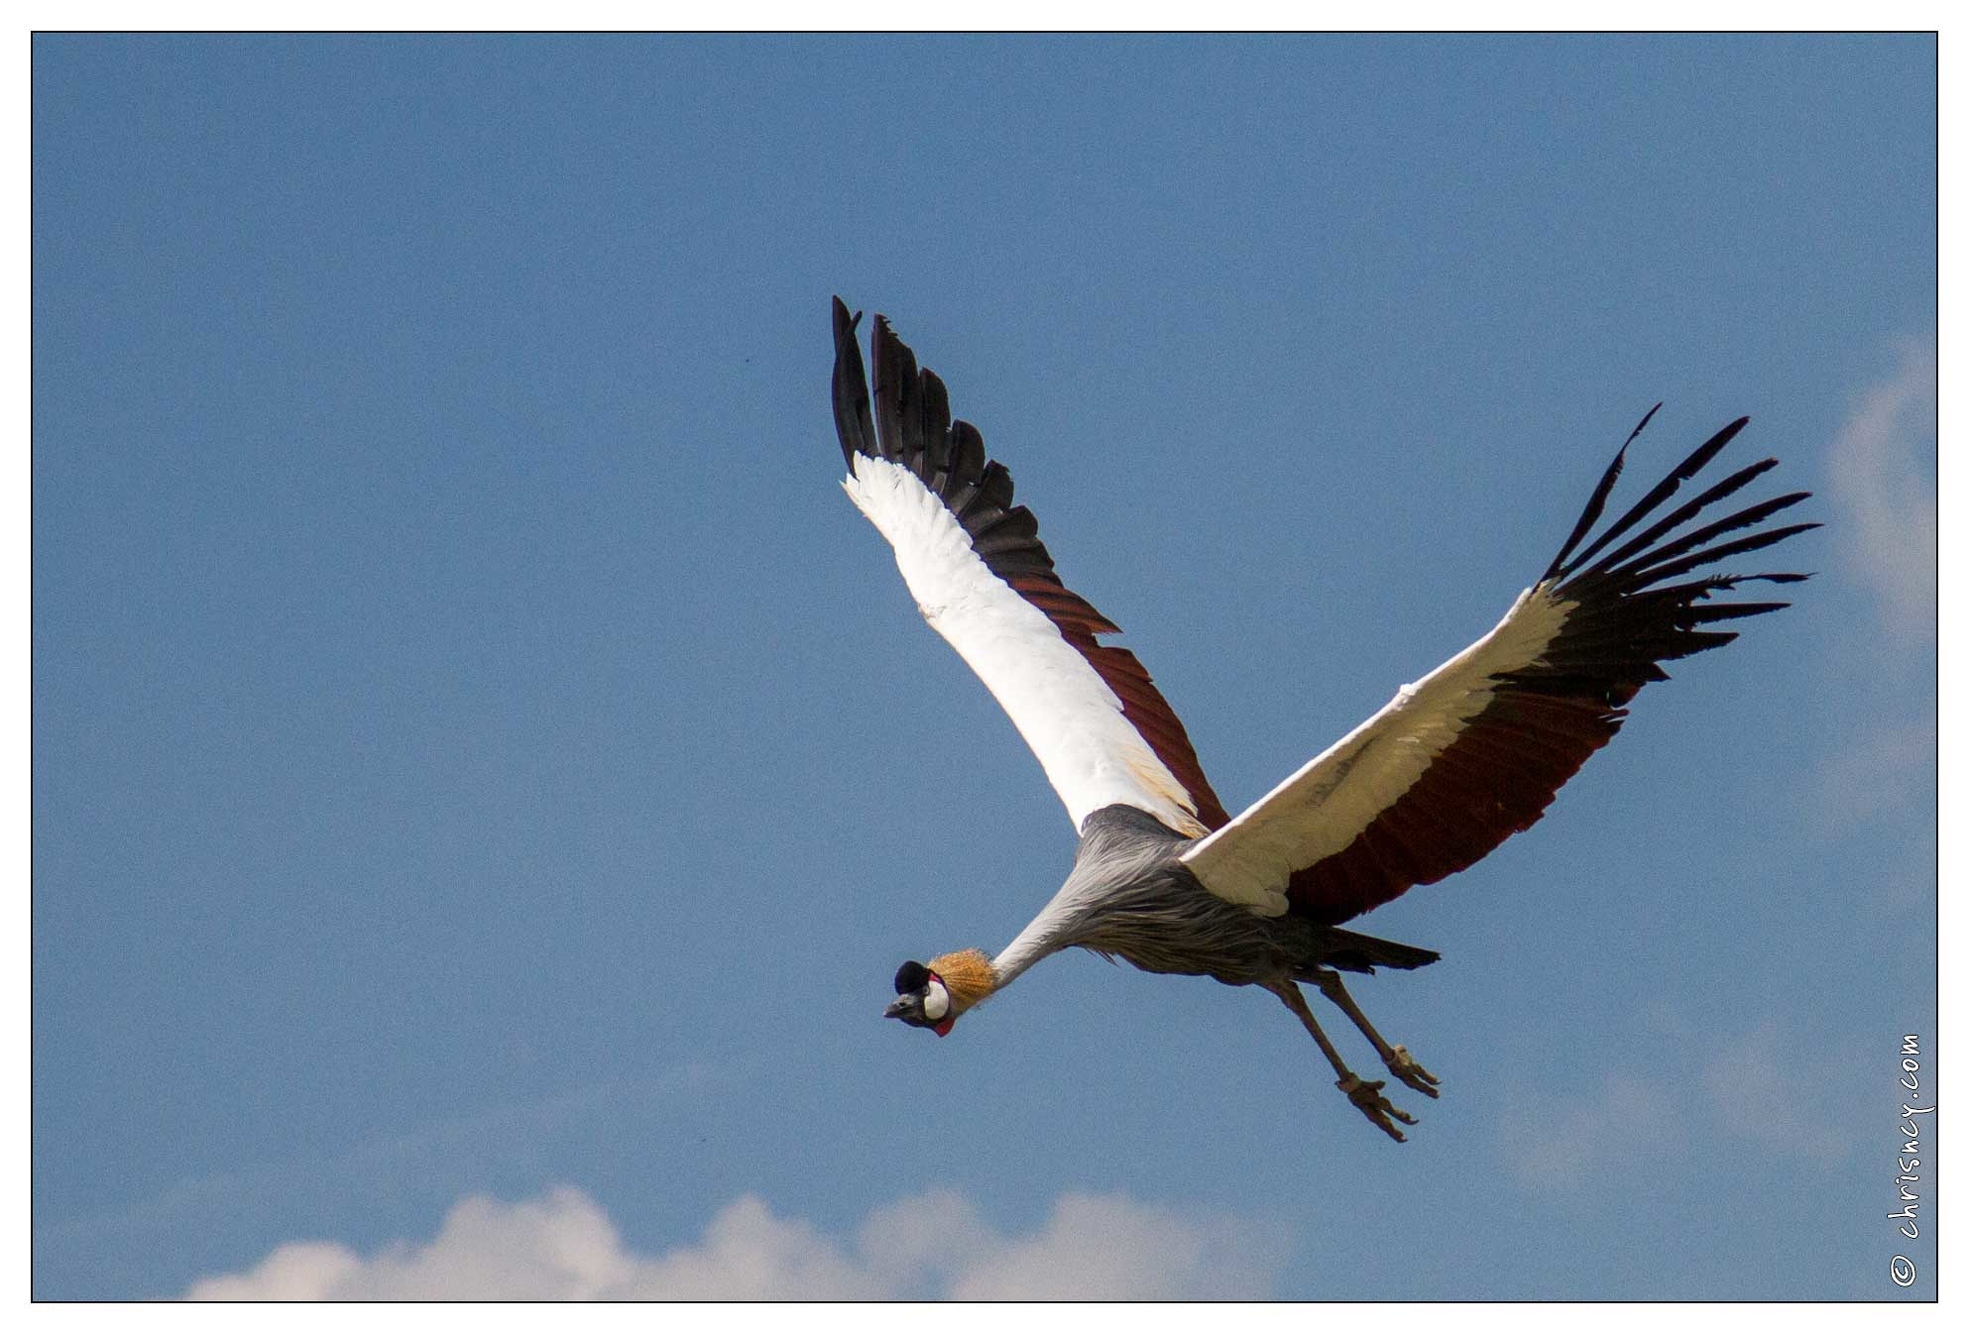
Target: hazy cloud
{"x": 1565, "y": 1143}
{"x": 1882, "y": 468}
{"x": 1760, "y": 1096}
{"x": 1757, "y": 1085}
{"x": 1887, "y": 769}
{"x": 563, "y": 1245}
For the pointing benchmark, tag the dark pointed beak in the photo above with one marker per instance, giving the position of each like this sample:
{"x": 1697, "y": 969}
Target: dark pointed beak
{"x": 898, "y": 1007}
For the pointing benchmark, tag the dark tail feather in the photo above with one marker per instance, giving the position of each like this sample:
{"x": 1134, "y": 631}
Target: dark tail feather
{"x": 1352, "y": 952}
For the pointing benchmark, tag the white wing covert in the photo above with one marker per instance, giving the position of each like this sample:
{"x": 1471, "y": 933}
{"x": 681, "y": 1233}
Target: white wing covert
{"x": 1476, "y": 750}
{"x": 983, "y": 580}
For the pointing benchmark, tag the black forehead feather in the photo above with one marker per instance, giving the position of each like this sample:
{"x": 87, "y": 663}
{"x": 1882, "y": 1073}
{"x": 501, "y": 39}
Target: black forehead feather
{"x": 912, "y": 976}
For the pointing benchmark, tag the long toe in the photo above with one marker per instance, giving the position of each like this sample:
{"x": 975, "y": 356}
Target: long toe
{"x": 1409, "y": 1070}
{"x": 1367, "y": 1096}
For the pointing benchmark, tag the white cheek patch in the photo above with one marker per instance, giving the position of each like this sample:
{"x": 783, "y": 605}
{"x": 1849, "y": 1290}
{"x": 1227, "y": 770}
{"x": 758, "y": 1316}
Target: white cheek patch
{"x": 936, "y": 1001}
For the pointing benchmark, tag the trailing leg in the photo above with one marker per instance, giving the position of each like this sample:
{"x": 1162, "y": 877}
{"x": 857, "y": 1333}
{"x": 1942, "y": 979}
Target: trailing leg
{"x": 1403, "y": 1066}
{"x": 1364, "y": 1094}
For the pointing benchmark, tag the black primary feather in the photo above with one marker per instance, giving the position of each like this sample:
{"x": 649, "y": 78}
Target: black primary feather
{"x": 1598, "y": 502}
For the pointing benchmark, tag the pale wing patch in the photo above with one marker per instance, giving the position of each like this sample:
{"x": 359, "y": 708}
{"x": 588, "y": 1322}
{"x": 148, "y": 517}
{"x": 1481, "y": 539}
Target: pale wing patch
{"x": 1325, "y": 805}
{"x": 1059, "y": 703}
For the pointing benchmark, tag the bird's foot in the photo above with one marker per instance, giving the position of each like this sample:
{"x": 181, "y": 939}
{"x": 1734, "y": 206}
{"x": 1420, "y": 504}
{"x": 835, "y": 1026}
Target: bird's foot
{"x": 1407, "y": 1069}
{"x": 1366, "y": 1095}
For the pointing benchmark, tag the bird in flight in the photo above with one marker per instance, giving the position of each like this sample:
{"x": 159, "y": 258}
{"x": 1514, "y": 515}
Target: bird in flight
{"x": 1164, "y": 877}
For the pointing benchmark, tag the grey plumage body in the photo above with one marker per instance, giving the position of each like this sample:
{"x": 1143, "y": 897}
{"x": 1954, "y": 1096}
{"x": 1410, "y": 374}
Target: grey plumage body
{"x": 1129, "y": 897}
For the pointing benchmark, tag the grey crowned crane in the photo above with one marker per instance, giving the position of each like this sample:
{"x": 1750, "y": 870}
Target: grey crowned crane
{"x": 1164, "y": 877}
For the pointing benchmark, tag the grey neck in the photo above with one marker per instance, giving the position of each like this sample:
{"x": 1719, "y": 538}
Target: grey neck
{"x": 1117, "y": 843}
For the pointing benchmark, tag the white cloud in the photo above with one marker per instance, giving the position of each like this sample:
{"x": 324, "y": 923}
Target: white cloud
{"x": 563, "y": 1246}
{"x": 559, "y": 1245}
{"x": 1883, "y": 477}
{"x": 1110, "y": 1247}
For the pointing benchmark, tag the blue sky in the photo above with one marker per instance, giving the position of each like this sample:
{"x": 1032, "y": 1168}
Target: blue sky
{"x": 486, "y": 773}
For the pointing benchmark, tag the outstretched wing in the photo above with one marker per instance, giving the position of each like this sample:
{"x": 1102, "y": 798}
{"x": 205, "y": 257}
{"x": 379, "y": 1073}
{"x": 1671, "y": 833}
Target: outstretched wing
{"x": 983, "y": 580}
{"x": 1476, "y": 750}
